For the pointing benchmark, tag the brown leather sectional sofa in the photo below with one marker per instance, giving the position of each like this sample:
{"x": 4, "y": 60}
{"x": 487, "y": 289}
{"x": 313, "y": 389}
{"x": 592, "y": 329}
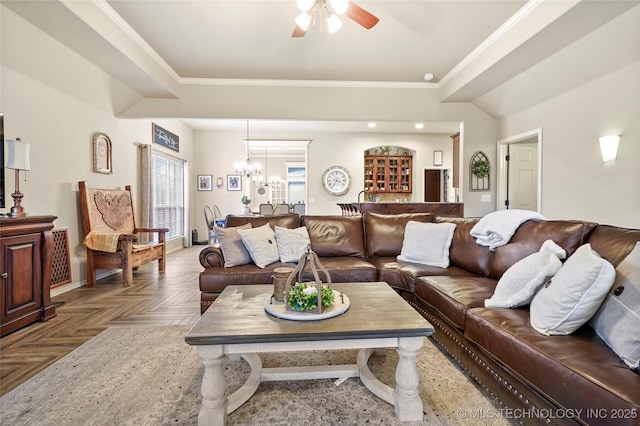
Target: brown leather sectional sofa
{"x": 574, "y": 379}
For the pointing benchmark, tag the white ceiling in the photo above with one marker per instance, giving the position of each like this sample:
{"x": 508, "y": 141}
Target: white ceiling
{"x": 252, "y": 39}
{"x": 472, "y": 47}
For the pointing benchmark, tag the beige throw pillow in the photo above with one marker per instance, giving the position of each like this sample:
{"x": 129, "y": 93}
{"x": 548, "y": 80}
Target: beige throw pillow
{"x": 292, "y": 243}
{"x": 427, "y": 243}
{"x": 233, "y": 249}
{"x": 576, "y": 292}
{"x": 617, "y": 322}
{"x": 261, "y": 244}
{"x": 520, "y": 282}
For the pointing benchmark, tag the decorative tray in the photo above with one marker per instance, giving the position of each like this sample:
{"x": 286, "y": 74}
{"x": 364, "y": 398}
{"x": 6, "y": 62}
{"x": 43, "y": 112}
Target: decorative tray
{"x": 279, "y": 309}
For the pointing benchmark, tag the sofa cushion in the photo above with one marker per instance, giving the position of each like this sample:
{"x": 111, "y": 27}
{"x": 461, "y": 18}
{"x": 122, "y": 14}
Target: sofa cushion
{"x": 261, "y": 244}
{"x": 464, "y": 252}
{"x": 214, "y": 280}
{"x": 532, "y": 234}
{"x": 384, "y": 233}
{"x": 427, "y": 243}
{"x": 292, "y": 243}
{"x": 452, "y": 296}
{"x": 614, "y": 243}
{"x": 568, "y": 370}
{"x": 283, "y": 220}
{"x": 520, "y": 282}
{"x": 234, "y": 251}
{"x": 335, "y": 235}
{"x": 617, "y": 321}
{"x": 574, "y": 295}
{"x": 403, "y": 275}
{"x": 345, "y": 269}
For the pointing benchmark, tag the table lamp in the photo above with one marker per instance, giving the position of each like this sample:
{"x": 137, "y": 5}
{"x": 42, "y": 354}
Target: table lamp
{"x": 17, "y": 159}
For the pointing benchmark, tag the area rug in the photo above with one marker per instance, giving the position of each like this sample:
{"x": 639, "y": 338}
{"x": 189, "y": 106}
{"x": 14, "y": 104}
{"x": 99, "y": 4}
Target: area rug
{"x": 150, "y": 376}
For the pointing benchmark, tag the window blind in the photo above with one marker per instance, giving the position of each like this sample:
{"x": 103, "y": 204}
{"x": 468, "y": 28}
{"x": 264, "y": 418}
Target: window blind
{"x": 167, "y": 201}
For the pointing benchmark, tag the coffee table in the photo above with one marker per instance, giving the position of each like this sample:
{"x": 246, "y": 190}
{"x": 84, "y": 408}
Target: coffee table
{"x": 236, "y": 324}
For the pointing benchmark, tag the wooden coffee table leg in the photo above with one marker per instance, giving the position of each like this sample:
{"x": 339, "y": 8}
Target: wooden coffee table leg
{"x": 213, "y": 410}
{"x": 406, "y": 396}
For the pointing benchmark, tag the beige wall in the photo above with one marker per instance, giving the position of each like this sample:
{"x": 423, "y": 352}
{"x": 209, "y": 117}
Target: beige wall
{"x": 55, "y": 100}
{"x": 576, "y": 184}
{"x": 218, "y": 151}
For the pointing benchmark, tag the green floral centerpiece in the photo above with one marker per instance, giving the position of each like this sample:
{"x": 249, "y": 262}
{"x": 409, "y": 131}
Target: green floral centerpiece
{"x": 246, "y": 200}
{"x": 309, "y": 297}
{"x": 304, "y": 296}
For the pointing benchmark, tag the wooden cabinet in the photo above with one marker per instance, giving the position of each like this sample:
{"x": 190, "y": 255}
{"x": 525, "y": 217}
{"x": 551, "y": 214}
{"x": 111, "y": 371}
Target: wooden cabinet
{"x": 26, "y": 252}
{"x": 388, "y": 173}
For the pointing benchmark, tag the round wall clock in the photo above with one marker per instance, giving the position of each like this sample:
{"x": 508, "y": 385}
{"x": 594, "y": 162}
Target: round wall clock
{"x": 336, "y": 180}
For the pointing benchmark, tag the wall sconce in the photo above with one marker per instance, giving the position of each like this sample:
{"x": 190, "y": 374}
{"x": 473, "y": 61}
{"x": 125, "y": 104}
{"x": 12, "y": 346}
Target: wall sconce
{"x": 18, "y": 159}
{"x": 609, "y": 147}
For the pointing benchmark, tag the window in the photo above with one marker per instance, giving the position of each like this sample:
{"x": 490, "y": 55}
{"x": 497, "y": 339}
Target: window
{"x": 276, "y": 193}
{"x": 296, "y": 182}
{"x": 167, "y": 199}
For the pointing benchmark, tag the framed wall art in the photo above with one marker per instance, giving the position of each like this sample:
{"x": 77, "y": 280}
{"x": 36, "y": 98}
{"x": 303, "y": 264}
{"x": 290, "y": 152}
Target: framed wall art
{"x": 234, "y": 183}
{"x": 102, "y": 154}
{"x": 437, "y": 158}
{"x": 165, "y": 138}
{"x": 205, "y": 182}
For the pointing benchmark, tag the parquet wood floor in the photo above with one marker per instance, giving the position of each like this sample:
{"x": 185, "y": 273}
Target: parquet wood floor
{"x": 154, "y": 298}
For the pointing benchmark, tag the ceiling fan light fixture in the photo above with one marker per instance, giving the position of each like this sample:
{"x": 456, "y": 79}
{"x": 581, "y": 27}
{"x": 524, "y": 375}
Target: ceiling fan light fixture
{"x": 339, "y": 6}
{"x": 305, "y": 5}
{"x": 303, "y": 21}
{"x": 334, "y": 23}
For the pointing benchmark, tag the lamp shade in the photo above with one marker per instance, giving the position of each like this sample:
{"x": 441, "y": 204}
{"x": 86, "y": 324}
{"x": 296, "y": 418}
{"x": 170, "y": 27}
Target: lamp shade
{"x": 18, "y": 155}
{"x": 334, "y": 23}
{"x": 340, "y": 6}
{"x": 303, "y": 21}
{"x": 305, "y": 5}
{"x": 609, "y": 147}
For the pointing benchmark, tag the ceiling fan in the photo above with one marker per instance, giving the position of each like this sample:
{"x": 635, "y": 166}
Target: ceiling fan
{"x": 333, "y": 8}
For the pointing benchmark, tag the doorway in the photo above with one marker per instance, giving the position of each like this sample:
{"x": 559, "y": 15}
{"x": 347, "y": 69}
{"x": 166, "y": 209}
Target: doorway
{"x": 436, "y": 182}
{"x": 520, "y": 172}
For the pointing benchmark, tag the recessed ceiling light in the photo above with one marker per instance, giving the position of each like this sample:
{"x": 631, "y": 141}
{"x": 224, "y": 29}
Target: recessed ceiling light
{"x": 419, "y": 125}
{"x": 428, "y": 76}
{"x": 371, "y": 125}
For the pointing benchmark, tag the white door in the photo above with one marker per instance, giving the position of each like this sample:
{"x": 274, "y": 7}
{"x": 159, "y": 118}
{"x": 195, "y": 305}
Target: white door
{"x": 523, "y": 176}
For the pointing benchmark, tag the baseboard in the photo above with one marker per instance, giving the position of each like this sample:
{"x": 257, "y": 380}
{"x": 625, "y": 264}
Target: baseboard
{"x": 72, "y": 286}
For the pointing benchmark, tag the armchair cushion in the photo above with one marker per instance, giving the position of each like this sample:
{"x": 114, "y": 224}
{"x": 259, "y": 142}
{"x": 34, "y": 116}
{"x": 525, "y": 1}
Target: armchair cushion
{"x": 102, "y": 241}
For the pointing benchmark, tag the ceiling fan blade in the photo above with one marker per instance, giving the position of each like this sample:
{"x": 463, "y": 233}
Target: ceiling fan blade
{"x": 298, "y": 32}
{"x": 361, "y": 16}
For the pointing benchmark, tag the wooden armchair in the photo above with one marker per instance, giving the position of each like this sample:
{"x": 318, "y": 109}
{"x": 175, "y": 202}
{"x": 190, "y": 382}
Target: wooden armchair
{"x": 111, "y": 234}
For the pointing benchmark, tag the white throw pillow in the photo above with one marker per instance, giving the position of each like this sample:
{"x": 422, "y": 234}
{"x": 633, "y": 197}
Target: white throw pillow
{"x": 261, "y": 244}
{"x": 571, "y": 298}
{"x": 233, "y": 249}
{"x": 427, "y": 243}
{"x": 292, "y": 243}
{"x": 519, "y": 283}
{"x": 617, "y": 322}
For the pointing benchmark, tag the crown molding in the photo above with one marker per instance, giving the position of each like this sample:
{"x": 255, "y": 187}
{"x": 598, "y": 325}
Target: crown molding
{"x": 307, "y": 83}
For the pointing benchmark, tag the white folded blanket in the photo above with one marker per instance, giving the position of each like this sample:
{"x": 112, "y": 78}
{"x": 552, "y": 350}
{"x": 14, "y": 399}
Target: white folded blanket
{"x": 497, "y": 228}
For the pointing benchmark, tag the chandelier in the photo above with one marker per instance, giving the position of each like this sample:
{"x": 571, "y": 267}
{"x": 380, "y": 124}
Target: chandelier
{"x": 247, "y": 168}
